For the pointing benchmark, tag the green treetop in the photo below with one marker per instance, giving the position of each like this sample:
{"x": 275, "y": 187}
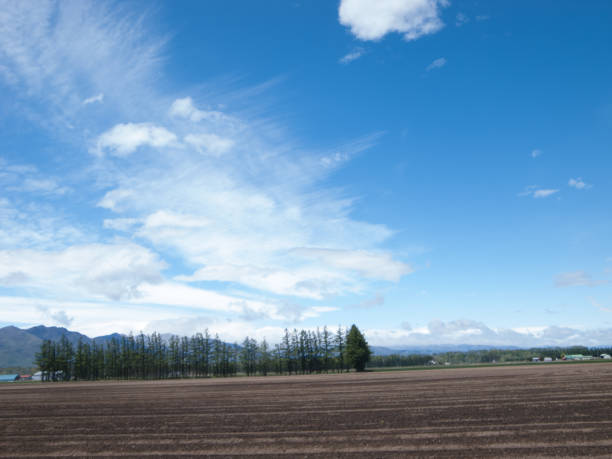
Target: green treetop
{"x": 357, "y": 349}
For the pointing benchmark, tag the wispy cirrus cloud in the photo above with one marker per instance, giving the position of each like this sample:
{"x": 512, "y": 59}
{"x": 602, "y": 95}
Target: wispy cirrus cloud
{"x": 216, "y": 197}
{"x": 577, "y": 279}
{"x": 461, "y": 19}
{"x": 436, "y": 64}
{"x": 28, "y": 179}
{"x": 353, "y": 55}
{"x": 101, "y": 50}
{"x": 537, "y": 192}
{"x": 578, "y": 183}
{"x": 544, "y": 193}
{"x": 369, "y": 264}
{"x": 209, "y": 143}
{"x": 244, "y": 223}
{"x": 94, "y": 99}
{"x": 599, "y": 306}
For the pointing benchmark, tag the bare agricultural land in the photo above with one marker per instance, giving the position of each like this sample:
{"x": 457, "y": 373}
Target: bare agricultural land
{"x": 519, "y": 411}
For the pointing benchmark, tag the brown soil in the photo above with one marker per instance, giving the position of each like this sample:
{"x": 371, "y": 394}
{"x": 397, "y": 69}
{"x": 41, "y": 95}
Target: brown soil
{"x": 518, "y": 411}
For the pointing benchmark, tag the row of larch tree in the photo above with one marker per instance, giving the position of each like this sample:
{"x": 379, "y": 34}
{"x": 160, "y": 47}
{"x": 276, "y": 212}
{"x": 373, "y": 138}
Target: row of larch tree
{"x": 152, "y": 357}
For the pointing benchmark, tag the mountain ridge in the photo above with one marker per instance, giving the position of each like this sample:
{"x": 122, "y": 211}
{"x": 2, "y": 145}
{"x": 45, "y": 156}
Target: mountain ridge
{"x": 18, "y": 347}
{"x": 436, "y": 349}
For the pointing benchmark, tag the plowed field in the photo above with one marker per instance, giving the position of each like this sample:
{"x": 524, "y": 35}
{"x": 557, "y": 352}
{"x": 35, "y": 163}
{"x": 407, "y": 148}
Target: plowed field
{"x": 519, "y": 411}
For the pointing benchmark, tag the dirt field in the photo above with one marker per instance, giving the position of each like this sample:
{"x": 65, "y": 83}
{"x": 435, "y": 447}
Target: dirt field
{"x": 542, "y": 410}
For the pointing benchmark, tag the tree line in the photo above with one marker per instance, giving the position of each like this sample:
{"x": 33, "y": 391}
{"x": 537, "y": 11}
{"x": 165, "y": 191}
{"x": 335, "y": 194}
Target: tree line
{"x": 399, "y": 360}
{"x": 483, "y": 356}
{"x": 518, "y": 355}
{"x": 151, "y": 356}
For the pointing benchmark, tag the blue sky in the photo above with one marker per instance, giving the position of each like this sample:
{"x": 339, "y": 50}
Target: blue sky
{"x": 433, "y": 171}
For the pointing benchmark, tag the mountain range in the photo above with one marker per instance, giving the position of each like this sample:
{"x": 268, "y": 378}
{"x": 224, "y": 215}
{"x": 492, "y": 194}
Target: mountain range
{"x": 18, "y": 347}
{"x": 435, "y": 349}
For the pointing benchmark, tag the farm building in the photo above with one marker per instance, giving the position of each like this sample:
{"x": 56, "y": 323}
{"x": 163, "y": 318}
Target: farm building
{"x": 574, "y": 357}
{"x": 37, "y": 376}
{"x": 8, "y": 378}
{"x": 605, "y": 356}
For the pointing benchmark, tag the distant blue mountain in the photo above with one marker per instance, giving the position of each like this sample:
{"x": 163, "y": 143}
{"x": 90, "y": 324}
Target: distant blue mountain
{"x": 18, "y": 347}
{"x": 435, "y": 349}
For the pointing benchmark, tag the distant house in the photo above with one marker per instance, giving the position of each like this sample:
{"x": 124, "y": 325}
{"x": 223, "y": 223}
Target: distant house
{"x": 9, "y": 378}
{"x": 574, "y": 357}
{"x": 535, "y": 359}
{"x": 25, "y": 377}
{"x": 548, "y": 359}
{"x": 605, "y": 356}
{"x": 38, "y": 376}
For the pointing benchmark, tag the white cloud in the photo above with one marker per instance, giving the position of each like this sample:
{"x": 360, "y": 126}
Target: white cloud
{"x": 255, "y": 195}
{"x": 60, "y": 317}
{"x": 96, "y": 270}
{"x": 113, "y": 198}
{"x": 95, "y": 319}
{"x": 577, "y": 278}
{"x": 166, "y": 308}
{"x": 578, "y": 183}
{"x": 305, "y": 282}
{"x": 257, "y": 208}
{"x": 209, "y": 143}
{"x": 374, "y": 265}
{"x": 535, "y": 153}
{"x": 44, "y": 186}
{"x": 163, "y": 218}
{"x": 120, "y": 224}
{"x": 368, "y": 303}
{"x": 184, "y": 108}
{"x": 35, "y": 226}
{"x": 93, "y": 99}
{"x": 176, "y": 294}
{"x": 472, "y": 332}
{"x": 369, "y": 20}
{"x": 544, "y": 193}
{"x": 599, "y": 306}
{"x": 28, "y": 179}
{"x": 538, "y": 193}
{"x": 353, "y": 55}
{"x": 228, "y": 330}
{"x": 461, "y": 19}
{"x": 436, "y": 64}
{"x": 123, "y": 139}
